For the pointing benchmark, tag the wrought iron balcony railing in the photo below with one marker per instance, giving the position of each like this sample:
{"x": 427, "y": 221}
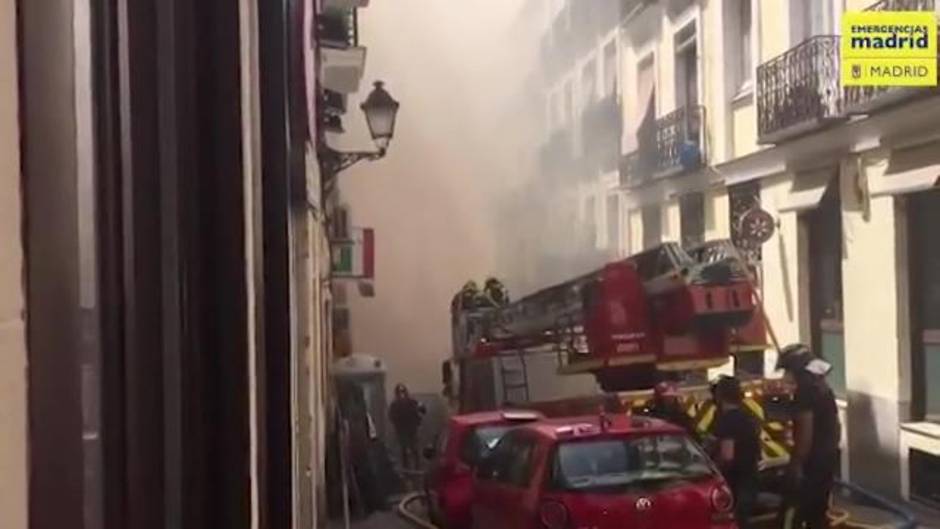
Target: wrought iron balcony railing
{"x": 867, "y": 99}
{"x": 680, "y": 141}
{"x": 674, "y": 144}
{"x": 799, "y": 91}
{"x": 628, "y": 174}
{"x": 339, "y": 29}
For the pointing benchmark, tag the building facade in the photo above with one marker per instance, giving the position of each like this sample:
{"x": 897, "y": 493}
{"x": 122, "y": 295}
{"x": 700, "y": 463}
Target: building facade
{"x": 730, "y": 106}
{"x": 166, "y": 326}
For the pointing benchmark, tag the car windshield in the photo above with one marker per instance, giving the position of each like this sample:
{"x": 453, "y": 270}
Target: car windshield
{"x": 481, "y": 441}
{"x": 626, "y": 462}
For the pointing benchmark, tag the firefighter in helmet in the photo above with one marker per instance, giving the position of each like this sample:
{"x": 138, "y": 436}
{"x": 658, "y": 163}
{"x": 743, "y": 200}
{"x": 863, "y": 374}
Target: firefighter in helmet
{"x": 816, "y": 432}
{"x": 667, "y": 406}
{"x": 466, "y": 298}
{"x": 495, "y": 293}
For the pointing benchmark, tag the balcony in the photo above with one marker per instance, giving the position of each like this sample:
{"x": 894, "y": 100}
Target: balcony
{"x": 868, "y": 99}
{"x": 673, "y": 145}
{"x": 799, "y": 91}
{"x": 339, "y": 29}
{"x": 629, "y": 176}
{"x": 342, "y": 59}
{"x": 680, "y": 142}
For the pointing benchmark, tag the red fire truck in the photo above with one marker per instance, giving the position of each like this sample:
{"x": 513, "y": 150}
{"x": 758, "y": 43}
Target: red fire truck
{"x": 664, "y": 314}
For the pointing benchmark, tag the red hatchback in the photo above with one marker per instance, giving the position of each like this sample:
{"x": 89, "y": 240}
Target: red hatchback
{"x": 464, "y": 441}
{"x": 599, "y": 473}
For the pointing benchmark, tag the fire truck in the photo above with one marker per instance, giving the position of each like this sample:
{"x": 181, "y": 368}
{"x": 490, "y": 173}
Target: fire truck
{"x": 667, "y": 313}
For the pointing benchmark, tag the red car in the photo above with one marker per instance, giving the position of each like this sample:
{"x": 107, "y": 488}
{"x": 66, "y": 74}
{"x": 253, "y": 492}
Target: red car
{"x": 464, "y": 441}
{"x": 599, "y": 473}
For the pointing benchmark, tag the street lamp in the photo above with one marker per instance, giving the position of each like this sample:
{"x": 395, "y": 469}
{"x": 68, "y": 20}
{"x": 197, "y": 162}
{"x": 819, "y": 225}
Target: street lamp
{"x": 380, "y": 110}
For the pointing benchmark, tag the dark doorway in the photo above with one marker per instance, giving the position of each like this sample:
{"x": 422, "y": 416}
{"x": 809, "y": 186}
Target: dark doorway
{"x": 692, "y": 219}
{"x": 924, "y": 217}
{"x": 824, "y": 226}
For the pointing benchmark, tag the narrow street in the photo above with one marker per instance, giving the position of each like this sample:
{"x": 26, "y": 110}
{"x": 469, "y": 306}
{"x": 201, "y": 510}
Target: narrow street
{"x": 554, "y": 264}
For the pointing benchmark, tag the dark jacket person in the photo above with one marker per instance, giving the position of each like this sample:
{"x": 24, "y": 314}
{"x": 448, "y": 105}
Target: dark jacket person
{"x": 816, "y": 434}
{"x": 737, "y": 435}
{"x": 406, "y": 413}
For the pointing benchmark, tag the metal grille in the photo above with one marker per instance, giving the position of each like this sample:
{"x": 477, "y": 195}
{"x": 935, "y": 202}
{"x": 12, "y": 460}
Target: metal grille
{"x": 679, "y": 140}
{"x": 743, "y": 198}
{"x": 799, "y": 89}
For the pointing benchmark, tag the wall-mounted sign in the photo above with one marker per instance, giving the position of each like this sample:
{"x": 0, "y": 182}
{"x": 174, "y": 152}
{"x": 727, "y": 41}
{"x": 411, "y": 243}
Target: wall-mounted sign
{"x": 757, "y": 226}
{"x": 354, "y": 256}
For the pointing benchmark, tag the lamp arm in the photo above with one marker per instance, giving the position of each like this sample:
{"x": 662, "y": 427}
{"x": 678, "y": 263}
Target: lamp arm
{"x": 335, "y": 162}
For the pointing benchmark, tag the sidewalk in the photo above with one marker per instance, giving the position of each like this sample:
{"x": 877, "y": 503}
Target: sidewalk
{"x": 927, "y": 518}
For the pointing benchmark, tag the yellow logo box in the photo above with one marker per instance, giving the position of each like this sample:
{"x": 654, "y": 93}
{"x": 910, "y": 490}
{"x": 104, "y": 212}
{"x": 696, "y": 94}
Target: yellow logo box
{"x": 889, "y": 48}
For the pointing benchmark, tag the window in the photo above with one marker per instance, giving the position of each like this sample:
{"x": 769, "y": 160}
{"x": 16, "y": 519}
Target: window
{"x": 510, "y": 460}
{"x": 588, "y": 83}
{"x": 692, "y": 219}
{"x": 567, "y": 98}
{"x": 590, "y": 221}
{"x": 645, "y": 104}
{"x": 810, "y": 18}
{"x": 480, "y": 441}
{"x": 686, "y": 67}
{"x": 613, "y": 223}
{"x": 519, "y": 472}
{"x": 652, "y": 226}
{"x": 745, "y": 67}
{"x": 610, "y": 69}
{"x": 619, "y": 464}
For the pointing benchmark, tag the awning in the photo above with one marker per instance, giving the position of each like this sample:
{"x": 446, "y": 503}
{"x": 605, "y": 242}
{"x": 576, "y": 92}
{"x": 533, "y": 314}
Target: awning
{"x": 807, "y": 189}
{"x": 909, "y": 170}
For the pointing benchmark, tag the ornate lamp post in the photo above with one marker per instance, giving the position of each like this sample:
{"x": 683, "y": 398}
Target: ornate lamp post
{"x": 381, "y": 110}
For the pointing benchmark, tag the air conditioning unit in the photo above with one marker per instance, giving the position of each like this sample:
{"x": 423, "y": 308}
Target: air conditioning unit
{"x": 344, "y": 4}
{"x": 342, "y": 68}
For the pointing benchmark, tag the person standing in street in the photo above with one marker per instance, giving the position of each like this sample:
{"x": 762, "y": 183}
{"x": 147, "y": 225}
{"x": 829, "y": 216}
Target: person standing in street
{"x": 816, "y": 432}
{"x": 406, "y": 414}
{"x": 737, "y": 436}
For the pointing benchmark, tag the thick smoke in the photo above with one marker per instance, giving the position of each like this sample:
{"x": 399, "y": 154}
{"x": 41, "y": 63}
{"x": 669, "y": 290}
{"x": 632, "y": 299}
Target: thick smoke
{"x": 459, "y": 195}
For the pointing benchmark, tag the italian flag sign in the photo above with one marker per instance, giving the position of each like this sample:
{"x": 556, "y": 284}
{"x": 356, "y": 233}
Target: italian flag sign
{"x": 355, "y": 257}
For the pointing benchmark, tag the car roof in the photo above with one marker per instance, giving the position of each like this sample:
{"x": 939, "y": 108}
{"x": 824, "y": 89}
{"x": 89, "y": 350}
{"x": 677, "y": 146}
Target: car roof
{"x": 496, "y": 417}
{"x": 587, "y": 426}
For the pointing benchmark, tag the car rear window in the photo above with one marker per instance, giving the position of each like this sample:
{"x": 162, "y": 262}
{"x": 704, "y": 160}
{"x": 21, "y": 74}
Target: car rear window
{"x": 624, "y": 462}
{"x": 478, "y": 442}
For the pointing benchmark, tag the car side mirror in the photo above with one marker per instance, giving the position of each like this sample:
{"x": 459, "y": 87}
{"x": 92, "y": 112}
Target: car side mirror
{"x": 429, "y": 452}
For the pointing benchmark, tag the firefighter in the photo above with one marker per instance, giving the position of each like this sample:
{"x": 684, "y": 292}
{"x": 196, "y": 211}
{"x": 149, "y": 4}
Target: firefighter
{"x": 737, "y": 448}
{"x": 495, "y": 293}
{"x": 816, "y": 432}
{"x": 666, "y": 406}
{"x": 466, "y": 298}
